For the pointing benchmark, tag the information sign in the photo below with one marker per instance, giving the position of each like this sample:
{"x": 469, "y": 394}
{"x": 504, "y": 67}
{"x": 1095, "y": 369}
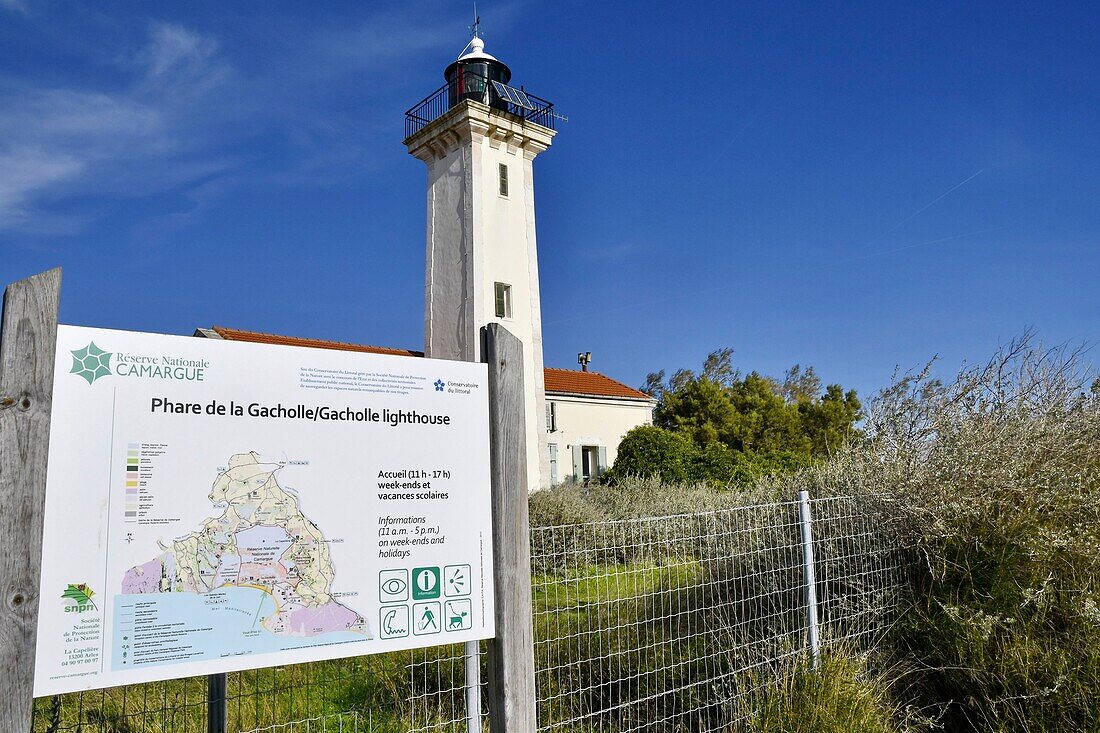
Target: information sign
{"x": 214, "y": 506}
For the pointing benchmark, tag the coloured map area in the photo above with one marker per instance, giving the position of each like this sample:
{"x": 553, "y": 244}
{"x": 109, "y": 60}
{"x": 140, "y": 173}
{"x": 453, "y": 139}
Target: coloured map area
{"x": 262, "y": 540}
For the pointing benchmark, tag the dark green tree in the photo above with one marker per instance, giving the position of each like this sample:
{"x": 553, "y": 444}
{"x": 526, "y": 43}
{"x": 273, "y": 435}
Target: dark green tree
{"x": 647, "y": 451}
{"x": 746, "y": 426}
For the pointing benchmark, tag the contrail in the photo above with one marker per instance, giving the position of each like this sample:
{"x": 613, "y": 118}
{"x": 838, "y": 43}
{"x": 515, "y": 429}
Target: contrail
{"x": 916, "y": 213}
{"x": 936, "y": 200}
{"x": 741, "y": 283}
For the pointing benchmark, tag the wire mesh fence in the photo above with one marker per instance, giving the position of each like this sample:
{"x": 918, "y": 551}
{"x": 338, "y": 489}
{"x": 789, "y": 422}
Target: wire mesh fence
{"x": 338, "y": 723}
{"x": 654, "y": 624}
{"x": 416, "y": 691}
{"x": 664, "y": 624}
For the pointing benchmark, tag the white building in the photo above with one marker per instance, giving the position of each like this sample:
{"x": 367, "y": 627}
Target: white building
{"x": 479, "y": 138}
{"x": 587, "y": 415}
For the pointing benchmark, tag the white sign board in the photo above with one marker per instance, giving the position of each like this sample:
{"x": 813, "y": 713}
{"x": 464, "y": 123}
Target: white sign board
{"x": 214, "y": 506}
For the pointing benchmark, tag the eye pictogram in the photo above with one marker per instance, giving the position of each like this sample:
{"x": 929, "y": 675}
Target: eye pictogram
{"x": 394, "y": 586}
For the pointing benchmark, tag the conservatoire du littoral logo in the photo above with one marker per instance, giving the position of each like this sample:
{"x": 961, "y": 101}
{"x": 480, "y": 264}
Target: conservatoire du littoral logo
{"x": 91, "y": 362}
{"x": 78, "y": 598}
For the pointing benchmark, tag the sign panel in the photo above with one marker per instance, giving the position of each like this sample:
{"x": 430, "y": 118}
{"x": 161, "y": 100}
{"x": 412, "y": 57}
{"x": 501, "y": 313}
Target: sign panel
{"x": 214, "y": 506}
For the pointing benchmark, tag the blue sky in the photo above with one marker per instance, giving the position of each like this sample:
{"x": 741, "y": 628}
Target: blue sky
{"x": 854, "y": 186}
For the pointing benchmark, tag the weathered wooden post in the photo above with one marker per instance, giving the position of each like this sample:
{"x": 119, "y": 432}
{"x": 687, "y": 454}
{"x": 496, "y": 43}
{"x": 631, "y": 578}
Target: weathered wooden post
{"x": 511, "y": 653}
{"x": 28, "y": 340}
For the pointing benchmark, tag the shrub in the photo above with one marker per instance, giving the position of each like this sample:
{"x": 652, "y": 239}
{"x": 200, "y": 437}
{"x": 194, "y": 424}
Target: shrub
{"x": 994, "y": 482}
{"x": 1000, "y": 470}
{"x": 630, "y": 497}
{"x": 997, "y": 476}
{"x": 648, "y": 451}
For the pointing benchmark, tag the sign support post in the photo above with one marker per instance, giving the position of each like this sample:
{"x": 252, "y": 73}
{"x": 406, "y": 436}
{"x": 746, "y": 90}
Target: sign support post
{"x": 28, "y": 340}
{"x": 216, "y": 704}
{"x": 511, "y": 653}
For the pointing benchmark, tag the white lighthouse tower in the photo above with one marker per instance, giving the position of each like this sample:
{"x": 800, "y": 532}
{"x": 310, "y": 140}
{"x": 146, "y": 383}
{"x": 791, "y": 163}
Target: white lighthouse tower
{"x": 479, "y": 137}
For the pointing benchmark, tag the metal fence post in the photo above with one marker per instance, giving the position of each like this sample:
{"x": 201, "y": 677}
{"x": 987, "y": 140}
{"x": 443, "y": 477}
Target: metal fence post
{"x": 512, "y": 652}
{"x": 806, "y": 521}
{"x": 217, "y": 707}
{"x": 473, "y": 687}
{"x": 28, "y": 343}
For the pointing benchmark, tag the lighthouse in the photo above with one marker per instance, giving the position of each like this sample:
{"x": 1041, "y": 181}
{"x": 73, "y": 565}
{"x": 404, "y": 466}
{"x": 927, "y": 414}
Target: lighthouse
{"x": 479, "y": 135}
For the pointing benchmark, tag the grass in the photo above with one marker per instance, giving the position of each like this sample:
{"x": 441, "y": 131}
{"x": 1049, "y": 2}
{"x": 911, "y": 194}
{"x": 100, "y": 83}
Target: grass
{"x": 840, "y": 696}
{"x": 994, "y": 478}
{"x": 995, "y": 484}
{"x": 377, "y": 687}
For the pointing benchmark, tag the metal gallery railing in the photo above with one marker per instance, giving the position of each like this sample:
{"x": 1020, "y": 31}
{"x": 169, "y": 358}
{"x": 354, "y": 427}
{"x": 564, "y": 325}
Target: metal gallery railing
{"x": 468, "y": 85}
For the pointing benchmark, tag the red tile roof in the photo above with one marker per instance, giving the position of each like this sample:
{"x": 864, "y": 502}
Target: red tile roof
{"x": 558, "y": 381}
{"x": 234, "y": 334}
{"x": 571, "y": 381}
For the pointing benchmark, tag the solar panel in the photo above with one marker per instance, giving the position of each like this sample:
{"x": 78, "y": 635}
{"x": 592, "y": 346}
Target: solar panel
{"x": 510, "y": 94}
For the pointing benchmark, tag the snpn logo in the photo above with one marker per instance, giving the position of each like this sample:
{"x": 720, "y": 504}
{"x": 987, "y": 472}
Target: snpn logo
{"x": 91, "y": 362}
{"x": 78, "y": 598}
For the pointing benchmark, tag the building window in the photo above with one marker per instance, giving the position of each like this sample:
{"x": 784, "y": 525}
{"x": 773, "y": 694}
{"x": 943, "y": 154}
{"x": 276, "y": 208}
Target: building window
{"x": 503, "y": 300}
{"x": 589, "y": 462}
{"x": 551, "y": 417}
{"x": 553, "y": 464}
{"x": 503, "y": 171}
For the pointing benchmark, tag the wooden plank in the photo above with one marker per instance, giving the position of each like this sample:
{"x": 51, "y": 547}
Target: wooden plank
{"x": 28, "y": 340}
{"x": 511, "y": 659}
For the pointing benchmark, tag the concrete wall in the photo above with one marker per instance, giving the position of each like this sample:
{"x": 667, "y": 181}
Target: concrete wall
{"x": 594, "y": 422}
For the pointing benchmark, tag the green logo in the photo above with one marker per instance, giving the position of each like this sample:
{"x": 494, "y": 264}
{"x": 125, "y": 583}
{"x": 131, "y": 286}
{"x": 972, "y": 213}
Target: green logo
{"x": 79, "y": 598}
{"x": 425, "y": 583}
{"x": 91, "y": 362}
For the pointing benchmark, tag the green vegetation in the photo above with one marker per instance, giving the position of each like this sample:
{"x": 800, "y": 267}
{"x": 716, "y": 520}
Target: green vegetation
{"x": 376, "y": 689}
{"x": 649, "y": 451}
{"x": 995, "y": 482}
{"x": 724, "y": 428}
{"x": 991, "y": 480}
{"x": 997, "y": 473}
{"x": 840, "y": 696}
{"x": 1000, "y": 470}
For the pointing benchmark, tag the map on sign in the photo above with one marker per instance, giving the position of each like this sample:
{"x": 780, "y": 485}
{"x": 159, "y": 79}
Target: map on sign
{"x": 214, "y": 506}
{"x": 262, "y": 541}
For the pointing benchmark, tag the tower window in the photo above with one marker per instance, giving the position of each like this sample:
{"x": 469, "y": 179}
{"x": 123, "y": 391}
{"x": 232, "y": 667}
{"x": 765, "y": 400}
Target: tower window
{"x": 503, "y": 170}
{"x": 551, "y": 417}
{"x": 503, "y": 300}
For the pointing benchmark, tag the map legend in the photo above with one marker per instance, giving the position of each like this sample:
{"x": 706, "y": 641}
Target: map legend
{"x": 141, "y": 467}
{"x": 133, "y": 453}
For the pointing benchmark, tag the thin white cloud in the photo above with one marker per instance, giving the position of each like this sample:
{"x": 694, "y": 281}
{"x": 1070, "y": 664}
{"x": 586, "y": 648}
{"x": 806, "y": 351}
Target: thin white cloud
{"x": 166, "y": 123}
{"x": 59, "y": 142}
{"x": 61, "y": 115}
{"x": 55, "y": 138}
{"x": 179, "y": 59}
{"x": 26, "y": 170}
{"x": 18, "y": 6}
